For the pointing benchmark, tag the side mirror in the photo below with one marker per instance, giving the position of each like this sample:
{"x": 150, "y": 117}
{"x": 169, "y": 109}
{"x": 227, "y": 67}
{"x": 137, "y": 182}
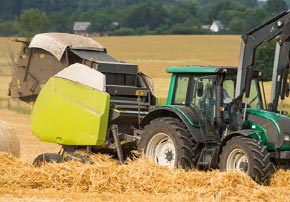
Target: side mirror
{"x": 199, "y": 89}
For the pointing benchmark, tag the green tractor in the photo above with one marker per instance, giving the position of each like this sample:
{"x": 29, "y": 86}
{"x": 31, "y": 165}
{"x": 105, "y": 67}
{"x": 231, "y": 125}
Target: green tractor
{"x": 201, "y": 126}
{"x": 218, "y": 117}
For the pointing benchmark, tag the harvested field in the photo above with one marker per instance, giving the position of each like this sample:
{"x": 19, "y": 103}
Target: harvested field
{"x": 139, "y": 180}
{"x": 106, "y": 180}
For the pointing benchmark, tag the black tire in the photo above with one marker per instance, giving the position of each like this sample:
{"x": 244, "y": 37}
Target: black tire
{"x": 247, "y": 155}
{"x": 43, "y": 159}
{"x": 170, "y": 132}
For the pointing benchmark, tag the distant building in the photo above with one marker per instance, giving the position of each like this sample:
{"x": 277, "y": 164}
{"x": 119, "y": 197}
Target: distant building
{"x": 216, "y": 26}
{"x": 206, "y": 27}
{"x": 80, "y": 28}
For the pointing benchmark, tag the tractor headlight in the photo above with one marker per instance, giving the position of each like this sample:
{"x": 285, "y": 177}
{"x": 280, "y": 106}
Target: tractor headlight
{"x": 286, "y": 137}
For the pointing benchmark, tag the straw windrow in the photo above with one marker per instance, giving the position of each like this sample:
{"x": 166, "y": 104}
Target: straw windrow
{"x": 141, "y": 178}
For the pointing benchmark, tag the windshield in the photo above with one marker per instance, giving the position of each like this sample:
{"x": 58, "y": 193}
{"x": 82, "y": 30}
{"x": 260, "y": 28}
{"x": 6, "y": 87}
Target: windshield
{"x": 255, "y": 99}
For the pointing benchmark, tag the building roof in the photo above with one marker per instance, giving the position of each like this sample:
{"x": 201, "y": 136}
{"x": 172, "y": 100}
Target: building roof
{"x": 81, "y": 26}
{"x": 205, "y": 26}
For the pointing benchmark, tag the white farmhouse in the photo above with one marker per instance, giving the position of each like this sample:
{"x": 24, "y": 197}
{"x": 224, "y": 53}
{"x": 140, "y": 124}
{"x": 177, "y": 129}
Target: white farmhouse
{"x": 216, "y": 26}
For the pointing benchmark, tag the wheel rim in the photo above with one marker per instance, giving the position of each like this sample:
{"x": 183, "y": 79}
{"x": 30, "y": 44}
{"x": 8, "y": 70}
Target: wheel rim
{"x": 161, "y": 148}
{"x": 238, "y": 161}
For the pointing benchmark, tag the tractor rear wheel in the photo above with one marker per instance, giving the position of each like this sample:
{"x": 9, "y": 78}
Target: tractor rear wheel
{"x": 247, "y": 155}
{"x": 167, "y": 141}
{"x": 43, "y": 159}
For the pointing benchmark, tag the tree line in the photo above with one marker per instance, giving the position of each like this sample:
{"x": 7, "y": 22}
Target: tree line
{"x": 134, "y": 17}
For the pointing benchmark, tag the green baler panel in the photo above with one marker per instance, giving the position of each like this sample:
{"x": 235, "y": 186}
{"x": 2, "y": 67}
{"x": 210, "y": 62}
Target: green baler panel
{"x": 70, "y": 113}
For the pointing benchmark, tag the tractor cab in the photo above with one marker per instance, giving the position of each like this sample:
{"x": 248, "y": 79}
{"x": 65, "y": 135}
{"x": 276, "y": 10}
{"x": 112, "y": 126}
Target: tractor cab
{"x": 210, "y": 92}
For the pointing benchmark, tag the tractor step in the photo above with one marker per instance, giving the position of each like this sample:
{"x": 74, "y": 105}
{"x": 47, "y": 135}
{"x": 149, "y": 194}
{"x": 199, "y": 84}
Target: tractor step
{"x": 205, "y": 159}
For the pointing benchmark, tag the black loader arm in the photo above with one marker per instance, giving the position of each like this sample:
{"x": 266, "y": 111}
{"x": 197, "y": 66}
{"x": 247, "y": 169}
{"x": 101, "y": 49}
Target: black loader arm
{"x": 280, "y": 85}
{"x": 277, "y": 27}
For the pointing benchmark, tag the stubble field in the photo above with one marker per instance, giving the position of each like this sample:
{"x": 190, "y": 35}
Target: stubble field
{"x": 139, "y": 180}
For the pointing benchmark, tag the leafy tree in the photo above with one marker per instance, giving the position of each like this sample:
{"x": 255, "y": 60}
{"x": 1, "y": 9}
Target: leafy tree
{"x": 32, "y": 21}
{"x": 248, "y": 3}
{"x": 10, "y": 8}
{"x": 142, "y": 30}
{"x": 264, "y": 59}
{"x": 276, "y": 6}
{"x": 51, "y": 6}
{"x": 8, "y": 28}
{"x": 61, "y": 22}
{"x": 100, "y": 23}
{"x": 237, "y": 25}
{"x": 219, "y": 6}
{"x": 163, "y": 29}
{"x": 181, "y": 12}
{"x": 124, "y": 31}
{"x": 254, "y": 17}
{"x": 227, "y": 16}
{"x": 181, "y": 29}
{"x": 143, "y": 16}
{"x": 288, "y": 2}
{"x": 149, "y": 14}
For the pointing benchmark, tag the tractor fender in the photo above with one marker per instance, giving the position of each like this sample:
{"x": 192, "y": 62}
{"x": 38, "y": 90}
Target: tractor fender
{"x": 189, "y": 120}
{"x": 244, "y": 133}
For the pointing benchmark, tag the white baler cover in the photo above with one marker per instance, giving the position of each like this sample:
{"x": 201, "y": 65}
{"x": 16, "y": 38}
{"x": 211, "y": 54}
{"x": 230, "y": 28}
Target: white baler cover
{"x": 56, "y": 43}
{"x": 85, "y": 75}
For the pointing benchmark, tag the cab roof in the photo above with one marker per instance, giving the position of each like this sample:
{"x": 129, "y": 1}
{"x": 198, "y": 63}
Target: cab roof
{"x": 200, "y": 69}
{"x": 197, "y": 69}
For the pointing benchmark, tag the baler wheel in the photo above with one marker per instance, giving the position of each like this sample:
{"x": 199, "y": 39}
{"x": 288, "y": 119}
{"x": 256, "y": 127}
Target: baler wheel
{"x": 167, "y": 141}
{"x": 43, "y": 159}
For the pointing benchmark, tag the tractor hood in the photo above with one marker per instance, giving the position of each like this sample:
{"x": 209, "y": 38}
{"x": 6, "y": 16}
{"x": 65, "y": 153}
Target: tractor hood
{"x": 275, "y": 126}
{"x": 267, "y": 114}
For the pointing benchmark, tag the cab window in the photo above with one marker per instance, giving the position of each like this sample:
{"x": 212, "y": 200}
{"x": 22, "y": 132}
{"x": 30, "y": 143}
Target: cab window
{"x": 181, "y": 87}
{"x": 254, "y": 100}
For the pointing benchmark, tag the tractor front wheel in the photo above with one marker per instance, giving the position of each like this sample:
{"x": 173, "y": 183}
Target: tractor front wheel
{"x": 167, "y": 141}
{"x": 247, "y": 155}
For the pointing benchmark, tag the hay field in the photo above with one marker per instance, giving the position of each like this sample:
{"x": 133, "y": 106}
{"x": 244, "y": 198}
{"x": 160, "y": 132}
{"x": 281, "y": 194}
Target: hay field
{"x": 139, "y": 180}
